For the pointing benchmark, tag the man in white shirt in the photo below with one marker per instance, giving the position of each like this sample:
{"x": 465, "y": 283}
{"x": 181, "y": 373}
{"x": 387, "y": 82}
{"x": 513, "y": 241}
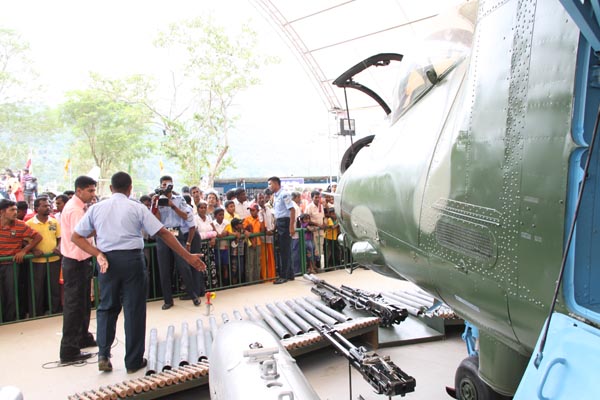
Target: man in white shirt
{"x": 241, "y": 203}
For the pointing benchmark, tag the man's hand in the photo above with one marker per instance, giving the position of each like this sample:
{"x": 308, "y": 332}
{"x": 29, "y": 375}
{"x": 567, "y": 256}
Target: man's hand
{"x": 102, "y": 263}
{"x": 292, "y": 230}
{"x": 56, "y": 250}
{"x": 37, "y": 252}
{"x": 19, "y": 256}
{"x": 196, "y": 262}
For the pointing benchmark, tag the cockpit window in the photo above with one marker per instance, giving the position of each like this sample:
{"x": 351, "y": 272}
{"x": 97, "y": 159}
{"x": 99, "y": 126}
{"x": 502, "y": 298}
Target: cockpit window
{"x": 425, "y": 67}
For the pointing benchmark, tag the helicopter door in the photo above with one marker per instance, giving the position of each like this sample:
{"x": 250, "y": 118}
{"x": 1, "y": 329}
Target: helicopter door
{"x": 569, "y": 366}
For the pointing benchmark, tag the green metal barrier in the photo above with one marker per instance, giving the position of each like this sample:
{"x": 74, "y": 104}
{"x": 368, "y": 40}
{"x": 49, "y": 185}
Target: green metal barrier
{"x": 236, "y": 263}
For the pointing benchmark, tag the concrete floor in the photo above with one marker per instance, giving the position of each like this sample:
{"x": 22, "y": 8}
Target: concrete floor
{"x": 29, "y": 349}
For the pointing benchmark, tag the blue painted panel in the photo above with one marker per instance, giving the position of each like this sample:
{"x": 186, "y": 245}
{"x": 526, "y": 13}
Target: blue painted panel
{"x": 569, "y": 366}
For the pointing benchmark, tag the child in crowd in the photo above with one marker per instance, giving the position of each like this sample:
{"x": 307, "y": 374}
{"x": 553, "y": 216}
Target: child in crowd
{"x": 220, "y": 225}
{"x": 253, "y": 224}
{"x": 238, "y": 270}
{"x": 304, "y": 223}
{"x": 230, "y": 211}
{"x": 332, "y": 247}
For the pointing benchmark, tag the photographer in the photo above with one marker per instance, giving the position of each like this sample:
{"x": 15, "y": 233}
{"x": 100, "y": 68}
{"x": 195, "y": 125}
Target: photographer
{"x": 176, "y": 215}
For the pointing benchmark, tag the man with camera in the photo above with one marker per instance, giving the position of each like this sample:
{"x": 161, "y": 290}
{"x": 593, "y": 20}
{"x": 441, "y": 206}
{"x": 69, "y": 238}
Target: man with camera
{"x": 177, "y": 217}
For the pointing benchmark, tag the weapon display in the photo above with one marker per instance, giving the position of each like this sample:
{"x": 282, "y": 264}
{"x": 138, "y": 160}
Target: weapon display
{"x": 361, "y": 300}
{"x": 379, "y": 371}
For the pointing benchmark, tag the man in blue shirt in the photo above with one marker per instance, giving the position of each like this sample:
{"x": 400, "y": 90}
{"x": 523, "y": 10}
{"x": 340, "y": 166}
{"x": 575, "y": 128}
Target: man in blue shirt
{"x": 284, "y": 211}
{"x": 177, "y": 216}
{"x": 118, "y": 224}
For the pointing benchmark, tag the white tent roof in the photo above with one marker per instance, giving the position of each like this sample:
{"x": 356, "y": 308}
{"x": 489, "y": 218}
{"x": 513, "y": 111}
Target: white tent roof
{"x": 330, "y": 36}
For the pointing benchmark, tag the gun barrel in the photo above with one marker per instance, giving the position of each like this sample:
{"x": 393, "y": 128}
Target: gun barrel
{"x": 288, "y": 323}
{"x": 332, "y": 313}
{"x": 277, "y": 327}
{"x": 170, "y": 342}
{"x": 184, "y": 345}
{"x": 305, "y": 315}
{"x": 305, "y": 326}
{"x": 200, "y": 342}
{"x": 415, "y": 312}
{"x": 152, "y": 351}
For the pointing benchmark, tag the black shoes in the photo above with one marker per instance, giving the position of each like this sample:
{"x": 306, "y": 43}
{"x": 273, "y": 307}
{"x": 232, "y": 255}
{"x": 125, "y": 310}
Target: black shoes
{"x": 279, "y": 281}
{"x": 88, "y": 342}
{"x": 166, "y": 306}
{"x": 134, "y": 370}
{"x": 196, "y": 301}
{"x": 75, "y": 358}
{"x": 104, "y": 364}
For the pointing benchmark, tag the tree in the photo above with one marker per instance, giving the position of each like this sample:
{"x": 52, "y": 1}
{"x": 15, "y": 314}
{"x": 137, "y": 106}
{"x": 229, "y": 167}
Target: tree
{"x": 215, "y": 68}
{"x": 16, "y": 71}
{"x": 113, "y": 134}
{"x": 24, "y": 125}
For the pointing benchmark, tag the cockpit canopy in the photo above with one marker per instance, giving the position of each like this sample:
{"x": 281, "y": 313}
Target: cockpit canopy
{"x": 428, "y": 65}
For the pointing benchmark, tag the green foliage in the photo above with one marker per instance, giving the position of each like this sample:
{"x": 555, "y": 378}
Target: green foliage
{"x": 16, "y": 71}
{"x": 25, "y": 127}
{"x": 111, "y": 134}
{"x": 215, "y": 67}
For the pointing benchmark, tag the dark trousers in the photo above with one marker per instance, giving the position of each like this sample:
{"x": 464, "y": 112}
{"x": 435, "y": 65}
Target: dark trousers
{"x": 296, "y": 264}
{"x": 198, "y": 277}
{"x": 332, "y": 253}
{"x": 45, "y": 276}
{"x": 285, "y": 248}
{"x": 77, "y": 276}
{"x": 8, "y": 275}
{"x": 123, "y": 286}
{"x": 166, "y": 258}
{"x": 24, "y": 294}
{"x": 154, "y": 289}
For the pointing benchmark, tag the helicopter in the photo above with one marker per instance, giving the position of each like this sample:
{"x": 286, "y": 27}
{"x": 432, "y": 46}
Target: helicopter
{"x": 483, "y": 189}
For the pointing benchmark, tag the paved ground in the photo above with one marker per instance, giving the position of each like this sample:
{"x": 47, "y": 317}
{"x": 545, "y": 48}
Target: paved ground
{"x": 29, "y": 349}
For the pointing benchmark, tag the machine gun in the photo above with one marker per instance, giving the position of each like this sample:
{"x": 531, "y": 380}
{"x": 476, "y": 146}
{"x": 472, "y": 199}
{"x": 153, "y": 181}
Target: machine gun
{"x": 361, "y": 300}
{"x": 379, "y": 371}
{"x": 331, "y": 300}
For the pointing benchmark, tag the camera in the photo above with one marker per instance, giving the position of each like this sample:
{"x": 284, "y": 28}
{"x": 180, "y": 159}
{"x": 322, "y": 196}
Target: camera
{"x": 163, "y": 200}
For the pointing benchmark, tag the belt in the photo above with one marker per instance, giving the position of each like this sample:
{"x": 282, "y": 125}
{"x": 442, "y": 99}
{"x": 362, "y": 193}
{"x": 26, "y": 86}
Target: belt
{"x": 172, "y": 227}
{"x": 125, "y": 251}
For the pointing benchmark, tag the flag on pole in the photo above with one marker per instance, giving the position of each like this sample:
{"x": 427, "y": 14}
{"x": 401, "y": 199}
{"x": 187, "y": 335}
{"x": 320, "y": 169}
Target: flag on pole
{"x": 161, "y": 165}
{"x": 67, "y": 165}
{"x": 28, "y": 163}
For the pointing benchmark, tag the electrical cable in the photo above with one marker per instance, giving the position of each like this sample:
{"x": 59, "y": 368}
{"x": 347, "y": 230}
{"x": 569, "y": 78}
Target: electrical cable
{"x": 80, "y": 363}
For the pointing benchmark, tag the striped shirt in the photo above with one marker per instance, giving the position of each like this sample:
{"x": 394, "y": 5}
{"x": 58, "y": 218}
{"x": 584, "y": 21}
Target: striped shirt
{"x": 12, "y": 236}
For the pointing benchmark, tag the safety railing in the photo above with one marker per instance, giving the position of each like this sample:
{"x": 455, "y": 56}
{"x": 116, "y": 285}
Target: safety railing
{"x": 31, "y": 290}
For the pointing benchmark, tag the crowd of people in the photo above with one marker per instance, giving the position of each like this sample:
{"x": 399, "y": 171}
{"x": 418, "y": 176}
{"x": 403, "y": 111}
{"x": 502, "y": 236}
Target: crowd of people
{"x": 240, "y": 240}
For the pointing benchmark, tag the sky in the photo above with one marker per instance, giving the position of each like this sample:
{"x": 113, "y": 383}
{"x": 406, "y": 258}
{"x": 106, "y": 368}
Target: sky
{"x": 281, "y": 118}
{"x": 285, "y": 129}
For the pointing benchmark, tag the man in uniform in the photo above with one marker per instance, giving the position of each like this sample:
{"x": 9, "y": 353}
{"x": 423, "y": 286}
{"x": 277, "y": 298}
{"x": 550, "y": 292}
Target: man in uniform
{"x": 118, "y": 223}
{"x": 284, "y": 213}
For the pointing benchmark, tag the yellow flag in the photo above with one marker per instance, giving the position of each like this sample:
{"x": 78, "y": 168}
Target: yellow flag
{"x": 161, "y": 165}
{"x": 67, "y": 165}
